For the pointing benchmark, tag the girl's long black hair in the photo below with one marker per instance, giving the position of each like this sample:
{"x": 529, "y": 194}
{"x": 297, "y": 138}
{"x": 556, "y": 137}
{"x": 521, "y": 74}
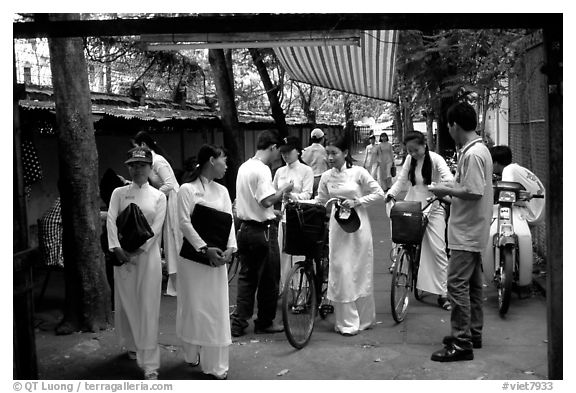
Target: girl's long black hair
{"x": 204, "y": 154}
{"x": 426, "y": 165}
{"x": 143, "y": 136}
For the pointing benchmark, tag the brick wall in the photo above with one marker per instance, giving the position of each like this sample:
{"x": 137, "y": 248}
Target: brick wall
{"x": 528, "y": 124}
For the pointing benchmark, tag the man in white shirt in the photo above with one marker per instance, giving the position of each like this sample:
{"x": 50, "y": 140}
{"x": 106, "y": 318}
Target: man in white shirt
{"x": 315, "y": 157}
{"x": 526, "y": 214}
{"x": 258, "y": 239}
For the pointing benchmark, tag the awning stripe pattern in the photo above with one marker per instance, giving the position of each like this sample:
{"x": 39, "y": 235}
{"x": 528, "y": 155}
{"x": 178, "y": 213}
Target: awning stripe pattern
{"x": 366, "y": 70}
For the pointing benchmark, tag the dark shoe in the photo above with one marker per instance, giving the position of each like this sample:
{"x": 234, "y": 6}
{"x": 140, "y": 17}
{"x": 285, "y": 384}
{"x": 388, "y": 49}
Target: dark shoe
{"x": 444, "y": 303}
{"x": 237, "y": 332}
{"x": 274, "y": 328}
{"x": 195, "y": 364}
{"x": 476, "y": 342}
{"x": 452, "y": 353}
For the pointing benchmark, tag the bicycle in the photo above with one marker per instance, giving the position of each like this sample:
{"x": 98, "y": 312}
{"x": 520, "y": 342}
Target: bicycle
{"x": 409, "y": 222}
{"x": 306, "y": 284}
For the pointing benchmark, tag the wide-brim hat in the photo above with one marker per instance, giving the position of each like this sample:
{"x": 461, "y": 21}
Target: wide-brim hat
{"x": 349, "y": 224}
{"x": 139, "y": 154}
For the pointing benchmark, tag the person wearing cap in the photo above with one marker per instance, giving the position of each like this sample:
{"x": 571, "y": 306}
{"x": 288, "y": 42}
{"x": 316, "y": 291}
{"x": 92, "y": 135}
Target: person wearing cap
{"x": 257, "y": 239}
{"x": 371, "y": 157}
{"x": 302, "y": 178}
{"x": 162, "y": 177}
{"x": 315, "y": 156}
{"x": 138, "y": 281}
{"x": 351, "y": 254}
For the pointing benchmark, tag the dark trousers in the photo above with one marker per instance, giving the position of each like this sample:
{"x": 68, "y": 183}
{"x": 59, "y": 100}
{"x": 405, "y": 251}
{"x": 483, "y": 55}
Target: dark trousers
{"x": 465, "y": 294}
{"x": 259, "y": 274}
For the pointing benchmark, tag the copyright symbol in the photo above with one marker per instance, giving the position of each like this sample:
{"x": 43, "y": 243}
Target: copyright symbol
{"x": 17, "y": 386}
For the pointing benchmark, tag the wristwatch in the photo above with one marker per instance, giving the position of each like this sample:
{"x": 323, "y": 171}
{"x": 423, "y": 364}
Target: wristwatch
{"x": 203, "y": 250}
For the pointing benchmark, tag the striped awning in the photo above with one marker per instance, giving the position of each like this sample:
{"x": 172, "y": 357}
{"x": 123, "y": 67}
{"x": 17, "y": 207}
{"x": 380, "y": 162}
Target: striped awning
{"x": 367, "y": 69}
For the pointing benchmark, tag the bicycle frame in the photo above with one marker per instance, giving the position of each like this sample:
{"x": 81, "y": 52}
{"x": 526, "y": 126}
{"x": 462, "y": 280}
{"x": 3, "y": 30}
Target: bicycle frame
{"x": 404, "y": 282}
{"x": 301, "y": 305}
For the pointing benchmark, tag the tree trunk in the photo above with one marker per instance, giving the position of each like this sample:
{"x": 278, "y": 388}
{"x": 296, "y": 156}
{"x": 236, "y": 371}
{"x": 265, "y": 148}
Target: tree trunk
{"x": 271, "y": 92}
{"x": 229, "y": 113}
{"x": 349, "y": 128}
{"x": 87, "y": 305}
{"x": 108, "y": 71}
{"x": 398, "y": 124}
{"x": 430, "y": 130}
{"x": 485, "y": 100}
{"x": 445, "y": 141}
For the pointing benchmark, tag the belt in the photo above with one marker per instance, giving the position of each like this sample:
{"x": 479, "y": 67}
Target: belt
{"x": 259, "y": 224}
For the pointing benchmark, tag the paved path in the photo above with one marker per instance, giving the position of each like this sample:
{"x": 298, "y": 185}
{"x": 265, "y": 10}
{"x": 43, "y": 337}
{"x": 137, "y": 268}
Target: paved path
{"x": 514, "y": 347}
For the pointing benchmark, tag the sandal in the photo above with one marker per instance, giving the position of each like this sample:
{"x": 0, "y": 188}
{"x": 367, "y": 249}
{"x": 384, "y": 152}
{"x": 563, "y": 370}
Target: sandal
{"x": 444, "y": 303}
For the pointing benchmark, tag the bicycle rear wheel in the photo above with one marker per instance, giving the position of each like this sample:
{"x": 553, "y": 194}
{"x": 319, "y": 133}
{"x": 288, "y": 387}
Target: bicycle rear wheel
{"x": 299, "y": 304}
{"x": 401, "y": 286}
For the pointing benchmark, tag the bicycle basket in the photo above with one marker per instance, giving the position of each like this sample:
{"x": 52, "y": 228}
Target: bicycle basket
{"x": 408, "y": 222}
{"x": 304, "y": 228}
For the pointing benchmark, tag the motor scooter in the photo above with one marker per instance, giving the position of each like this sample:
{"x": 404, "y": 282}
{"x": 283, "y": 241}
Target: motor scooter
{"x": 505, "y": 241}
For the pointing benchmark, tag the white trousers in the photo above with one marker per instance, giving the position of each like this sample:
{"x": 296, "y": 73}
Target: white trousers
{"x": 147, "y": 359}
{"x": 524, "y": 245}
{"x": 213, "y": 360}
{"x": 433, "y": 271}
{"x": 355, "y": 316}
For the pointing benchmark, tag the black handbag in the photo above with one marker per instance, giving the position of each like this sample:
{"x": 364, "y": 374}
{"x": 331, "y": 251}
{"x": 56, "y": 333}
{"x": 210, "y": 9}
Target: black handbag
{"x": 133, "y": 228}
{"x": 304, "y": 228}
{"x": 213, "y": 226}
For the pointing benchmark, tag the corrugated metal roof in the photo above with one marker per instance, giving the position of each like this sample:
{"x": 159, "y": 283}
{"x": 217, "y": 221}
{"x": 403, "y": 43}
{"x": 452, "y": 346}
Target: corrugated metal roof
{"x": 41, "y": 98}
{"x": 141, "y": 113}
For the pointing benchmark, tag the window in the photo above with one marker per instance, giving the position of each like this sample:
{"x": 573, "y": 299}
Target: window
{"x": 27, "y": 75}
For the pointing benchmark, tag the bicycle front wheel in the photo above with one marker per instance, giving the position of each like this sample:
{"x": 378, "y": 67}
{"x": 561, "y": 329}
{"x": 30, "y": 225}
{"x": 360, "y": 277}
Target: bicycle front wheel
{"x": 401, "y": 286}
{"x": 299, "y": 304}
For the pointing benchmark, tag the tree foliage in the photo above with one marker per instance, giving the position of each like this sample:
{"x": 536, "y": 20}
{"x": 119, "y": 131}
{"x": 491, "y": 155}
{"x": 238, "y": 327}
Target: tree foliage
{"x": 459, "y": 64}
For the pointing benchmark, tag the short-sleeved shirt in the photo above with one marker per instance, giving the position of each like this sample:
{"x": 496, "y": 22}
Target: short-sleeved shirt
{"x": 533, "y": 211}
{"x": 315, "y": 156}
{"x": 254, "y": 184}
{"x": 469, "y": 223}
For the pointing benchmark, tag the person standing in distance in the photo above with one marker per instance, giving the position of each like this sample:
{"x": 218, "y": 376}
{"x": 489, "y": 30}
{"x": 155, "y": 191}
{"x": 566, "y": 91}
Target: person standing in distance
{"x": 371, "y": 157}
{"x": 257, "y": 239}
{"x": 315, "y": 157}
{"x": 468, "y": 229}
